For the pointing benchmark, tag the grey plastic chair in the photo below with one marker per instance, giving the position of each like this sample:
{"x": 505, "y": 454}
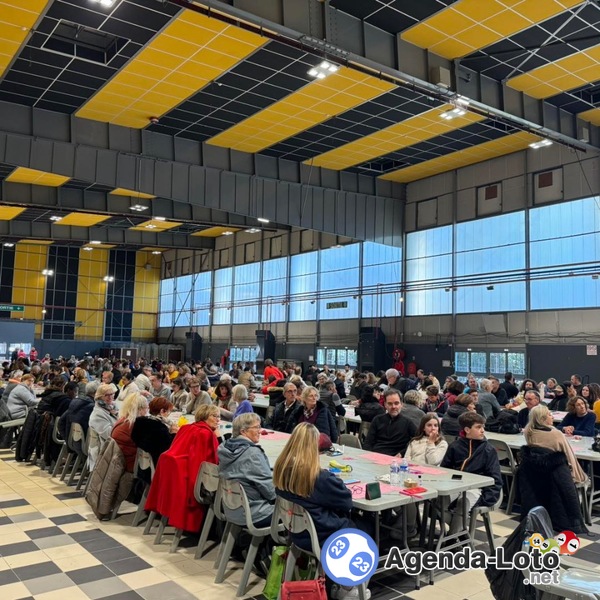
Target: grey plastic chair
{"x": 352, "y": 441}
{"x": 507, "y": 470}
{"x": 143, "y": 462}
{"x": 64, "y": 449}
{"x": 234, "y": 497}
{"x": 484, "y": 513}
{"x": 208, "y": 478}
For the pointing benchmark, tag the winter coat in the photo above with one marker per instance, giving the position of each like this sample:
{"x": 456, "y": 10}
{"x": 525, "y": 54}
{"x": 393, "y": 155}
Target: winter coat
{"x": 324, "y": 420}
{"x": 179, "y": 400}
{"x": 489, "y": 404}
{"x": 544, "y": 479}
{"x": 102, "y": 422}
{"x": 243, "y": 460}
{"x": 54, "y": 401}
{"x": 413, "y": 413}
{"x": 79, "y": 411}
{"x": 425, "y": 453}
{"x": 390, "y": 435}
{"x": 559, "y": 403}
{"x": 439, "y": 406}
{"x": 478, "y": 457}
{"x": 329, "y": 506}
{"x": 332, "y": 401}
{"x": 20, "y": 398}
{"x": 245, "y": 406}
{"x": 280, "y": 417}
{"x": 152, "y": 436}
{"x": 110, "y": 483}
{"x": 194, "y": 402}
{"x": 450, "y": 424}
{"x": 171, "y": 493}
{"x": 28, "y": 436}
{"x": 367, "y": 411}
{"x": 121, "y": 433}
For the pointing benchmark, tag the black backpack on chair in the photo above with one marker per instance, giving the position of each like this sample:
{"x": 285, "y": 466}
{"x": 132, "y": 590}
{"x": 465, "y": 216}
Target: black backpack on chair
{"x": 506, "y": 421}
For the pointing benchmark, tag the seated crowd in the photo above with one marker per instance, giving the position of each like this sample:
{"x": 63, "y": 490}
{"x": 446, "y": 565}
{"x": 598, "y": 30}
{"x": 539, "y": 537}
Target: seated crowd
{"x": 416, "y": 419}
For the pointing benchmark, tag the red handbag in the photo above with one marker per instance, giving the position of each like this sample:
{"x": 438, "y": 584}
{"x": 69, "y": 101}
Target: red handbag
{"x": 313, "y": 589}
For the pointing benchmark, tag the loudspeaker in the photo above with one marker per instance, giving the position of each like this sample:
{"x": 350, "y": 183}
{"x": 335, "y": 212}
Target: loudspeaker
{"x": 193, "y": 346}
{"x": 371, "y": 349}
{"x": 265, "y": 347}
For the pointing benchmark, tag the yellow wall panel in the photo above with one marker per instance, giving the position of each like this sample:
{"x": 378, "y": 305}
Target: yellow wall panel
{"x": 91, "y": 294}
{"x": 145, "y": 299}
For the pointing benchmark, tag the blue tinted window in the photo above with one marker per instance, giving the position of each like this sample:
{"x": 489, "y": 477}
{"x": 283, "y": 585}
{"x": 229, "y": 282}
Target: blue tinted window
{"x": 274, "y": 290}
{"x": 382, "y": 276}
{"x": 339, "y": 281}
{"x": 246, "y": 293}
{"x": 222, "y": 296}
{"x": 303, "y": 287}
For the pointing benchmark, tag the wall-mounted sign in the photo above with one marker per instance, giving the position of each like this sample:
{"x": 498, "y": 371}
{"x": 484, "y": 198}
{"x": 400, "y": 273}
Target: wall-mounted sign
{"x": 337, "y": 304}
{"x": 12, "y": 307}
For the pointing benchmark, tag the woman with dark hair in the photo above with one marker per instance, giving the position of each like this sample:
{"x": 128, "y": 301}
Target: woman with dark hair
{"x": 368, "y": 407}
{"x": 179, "y": 397}
{"x": 579, "y": 420}
{"x": 154, "y": 433}
{"x": 463, "y": 404}
{"x": 453, "y": 390}
{"x": 434, "y": 401}
{"x": 222, "y": 395}
{"x": 428, "y": 446}
{"x": 560, "y": 399}
{"x": 595, "y": 403}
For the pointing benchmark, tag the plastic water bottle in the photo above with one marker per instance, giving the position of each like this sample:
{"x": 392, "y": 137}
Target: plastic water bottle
{"x": 394, "y": 473}
{"x": 525, "y": 545}
{"x": 403, "y": 471}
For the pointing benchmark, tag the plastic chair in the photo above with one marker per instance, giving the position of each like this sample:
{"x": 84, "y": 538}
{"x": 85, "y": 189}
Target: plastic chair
{"x": 352, "y": 441}
{"x": 296, "y": 519}
{"x": 208, "y": 478}
{"x": 143, "y": 462}
{"x": 74, "y": 442}
{"x": 234, "y": 497}
{"x": 484, "y": 513}
{"x": 64, "y": 449}
{"x": 507, "y": 470}
{"x": 364, "y": 430}
{"x": 79, "y": 444}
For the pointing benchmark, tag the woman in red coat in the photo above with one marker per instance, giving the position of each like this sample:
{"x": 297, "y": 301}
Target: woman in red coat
{"x": 271, "y": 369}
{"x": 172, "y": 490}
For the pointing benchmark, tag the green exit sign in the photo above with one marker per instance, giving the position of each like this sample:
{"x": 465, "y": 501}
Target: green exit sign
{"x": 12, "y": 307}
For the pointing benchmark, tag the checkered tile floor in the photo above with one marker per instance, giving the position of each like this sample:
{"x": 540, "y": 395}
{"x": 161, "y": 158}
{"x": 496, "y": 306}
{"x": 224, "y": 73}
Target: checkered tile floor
{"x": 53, "y": 548}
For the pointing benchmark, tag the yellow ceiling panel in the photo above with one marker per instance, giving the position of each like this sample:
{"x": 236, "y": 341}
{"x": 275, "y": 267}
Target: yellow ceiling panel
{"x": 192, "y": 44}
{"x": 469, "y": 25}
{"x": 156, "y": 225}
{"x": 82, "y": 219}
{"x": 131, "y": 193}
{"x": 100, "y": 246}
{"x": 153, "y": 249}
{"x": 462, "y": 158}
{"x": 333, "y": 95}
{"x": 36, "y": 242}
{"x": 563, "y": 75}
{"x": 592, "y": 115}
{"x": 34, "y": 177}
{"x": 15, "y": 25}
{"x": 214, "y": 231}
{"x": 10, "y": 212}
{"x": 401, "y": 135}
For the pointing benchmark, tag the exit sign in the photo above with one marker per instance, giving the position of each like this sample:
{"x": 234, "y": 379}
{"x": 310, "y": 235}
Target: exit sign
{"x": 12, "y": 307}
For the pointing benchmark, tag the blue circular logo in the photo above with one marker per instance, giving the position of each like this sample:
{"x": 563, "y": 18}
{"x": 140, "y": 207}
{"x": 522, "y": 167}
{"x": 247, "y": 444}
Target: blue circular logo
{"x": 349, "y": 557}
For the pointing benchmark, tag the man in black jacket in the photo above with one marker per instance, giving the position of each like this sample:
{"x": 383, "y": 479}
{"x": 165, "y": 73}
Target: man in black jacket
{"x": 508, "y": 385}
{"x": 390, "y": 433}
{"x": 472, "y": 453}
{"x": 284, "y": 410}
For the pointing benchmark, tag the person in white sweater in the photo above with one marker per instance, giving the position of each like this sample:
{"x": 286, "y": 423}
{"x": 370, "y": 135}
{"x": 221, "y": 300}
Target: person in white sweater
{"x": 428, "y": 447}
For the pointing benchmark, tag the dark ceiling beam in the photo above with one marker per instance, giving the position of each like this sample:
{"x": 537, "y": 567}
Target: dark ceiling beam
{"x": 203, "y": 176}
{"x": 17, "y": 229}
{"x": 345, "y": 39}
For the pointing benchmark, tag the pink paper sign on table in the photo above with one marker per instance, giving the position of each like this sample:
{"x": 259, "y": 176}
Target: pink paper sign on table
{"x": 380, "y": 459}
{"x": 275, "y": 435}
{"x": 425, "y": 470}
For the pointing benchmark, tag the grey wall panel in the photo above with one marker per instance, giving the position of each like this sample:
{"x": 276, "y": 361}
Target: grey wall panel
{"x": 380, "y": 46}
{"x": 163, "y": 178}
{"x": 532, "y": 109}
{"x": 388, "y": 224}
{"x": 567, "y": 123}
{"x": 272, "y": 10}
{"x": 48, "y": 196}
{"x": 514, "y": 193}
{"x": 242, "y": 194}
{"x": 266, "y": 166}
{"x": 85, "y": 163}
{"x": 348, "y": 181}
{"x": 181, "y": 188}
{"x": 122, "y": 139}
{"x": 427, "y": 213}
{"x": 362, "y": 204}
{"x": 366, "y": 185}
{"x": 123, "y": 173}
{"x": 187, "y": 151}
{"x": 379, "y": 220}
{"x": 410, "y": 217}
{"x": 340, "y": 211}
{"x": 370, "y": 219}
{"x": 329, "y": 209}
{"x": 282, "y": 209}
{"x": 15, "y": 118}
{"x": 352, "y": 200}
{"x": 445, "y": 209}
{"x": 41, "y": 155}
{"x": 146, "y": 176}
{"x": 63, "y": 159}
{"x": 306, "y": 206}
{"x": 398, "y": 191}
{"x": 411, "y": 59}
{"x": 91, "y": 133}
{"x": 227, "y": 195}
{"x": 94, "y": 200}
{"x": 289, "y": 170}
{"x": 310, "y": 175}
{"x": 330, "y": 179}
{"x": 318, "y": 216}
{"x": 158, "y": 145}
{"x": 242, "y": 162}
{"x": 2, "y": 147}
{"x": 347, "y": 32}
{"x": 51, "y": 125}
{"x": 303, "y": 17}
{"x": 18, "y": 150}
{"x": 550, "y": 116}
{"x": 383, "y": 188}
{"x": 295, "y": 199}
{"x": 212, "y": 186}
{"x": 466, "y": 204}
{"x": 121, "y": 204}
{"x": 216, "y": 157}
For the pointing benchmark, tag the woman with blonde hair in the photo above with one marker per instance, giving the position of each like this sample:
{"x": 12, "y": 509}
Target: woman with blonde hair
{"x": 134, "y": 405}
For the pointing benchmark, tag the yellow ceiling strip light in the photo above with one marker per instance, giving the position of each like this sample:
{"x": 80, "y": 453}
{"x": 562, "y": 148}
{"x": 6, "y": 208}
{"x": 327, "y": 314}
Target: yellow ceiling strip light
{"x": 155, "y": 225}
{"x": 189, "y": 53}
{"x": 215, "y": 231}
{"x": 469, "y": 25}
{"x": 316, "y": 102}
{"x": 401, "y": 135}
{"x": 15, "y": 24}
{"x": 462, "y": 158}
{"x": 33, "y": 177}
{"x": 7, "y": 213}
{"x": 131, "y": 193}
{"x": 76, "y": 219}
{"x": 563, "y": 75}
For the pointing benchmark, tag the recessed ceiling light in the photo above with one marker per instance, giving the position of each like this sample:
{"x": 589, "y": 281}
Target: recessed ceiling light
{"x": 8, "y": 244}
{"x": 159, "y": 218}
{"x": 253, "y": 230}
{"x": 227, "y": 233}
{"x": 48, "y": 272}
{"x": 87, "y": 248}
{"x": 139, "y": 207}
{"x": 55, "y": 218}
{"x": 150, "y": 226}
{"x": 321, "y": 71}
{"x": 541, "y": 144}
{"x": 107, "y": 3}
{"x": 109, "y": 278}
{"x": 457, "y": 111}
{"x": 262, "y": 220}
{"x": 44, "y": 311}
{"x": 156, "y": 252}
{"x": 95, "y": 242}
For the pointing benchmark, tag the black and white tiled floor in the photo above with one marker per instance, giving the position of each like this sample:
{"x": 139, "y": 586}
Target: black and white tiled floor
{"x": 53, "y": 548}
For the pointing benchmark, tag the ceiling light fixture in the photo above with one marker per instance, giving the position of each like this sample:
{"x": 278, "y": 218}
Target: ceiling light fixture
{"x": 323, "y": 70}
{"x": 160, "y": 218}
{"x": 95, "y": 242}
{"x": 156, "y": 252}
{"x": 139, "y": 207}
{"x": 150, "y": 226}
{"x": 8, "y": 244}
{"x": 262, "y": 220}
{"x": 48, "y": 272}
{"x": 253, "y": 230}
{"x": 55, "y": 218}
{"x": 107, "y": 3}
{"x": 453, "y": 113}
{"x": 541, "y": 144}
{"x": 109, "y": 278}
{"x": 87, "y": 248}
{"x": 44, "y": 311}
{"x": 227, "y": 233}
